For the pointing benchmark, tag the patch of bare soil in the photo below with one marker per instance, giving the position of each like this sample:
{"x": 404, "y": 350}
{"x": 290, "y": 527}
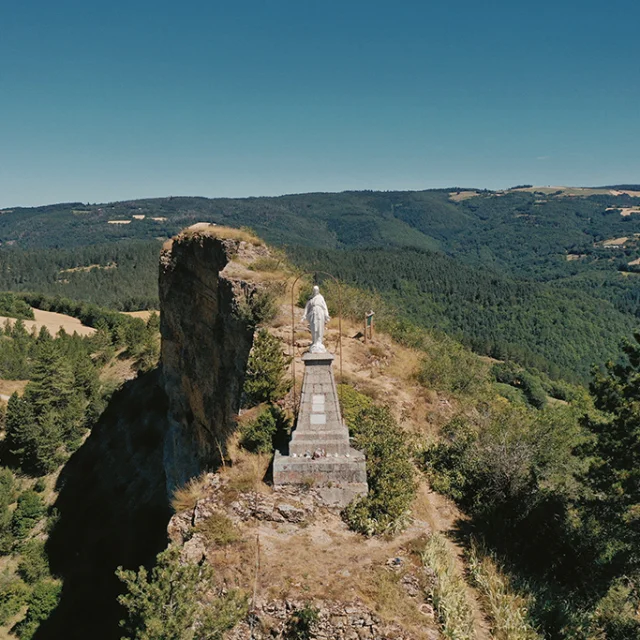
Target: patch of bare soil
{"x": 459, "y": 196}
{"x": 144, "y": 315}
{"x": 53, "y": 322}
{"x": 9, "y": 387}
{"x": 90, "y": 267}
{"x": 615, "y": 242}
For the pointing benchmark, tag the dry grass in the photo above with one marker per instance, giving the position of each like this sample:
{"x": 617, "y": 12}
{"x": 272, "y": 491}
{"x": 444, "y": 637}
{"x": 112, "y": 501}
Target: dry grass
{"x": 224, "y": 233}
{"x": 266, "y": 263}
{"x": 615, "y": 242}
{"x": 143, "y": 315}
{"x": 90, "y": 267}
{"x": 388, "y": 597}
{"x": 8, "y": 387}
{"x": 186, "y": 496}
{"x": 246, "y": 471}
{"x": 219, "y": 529}
{"x": 506, "y": 609}
{"x": 377, "y": 351}
{"x": 448, "y": 591}
{"x": 459, "y": 196}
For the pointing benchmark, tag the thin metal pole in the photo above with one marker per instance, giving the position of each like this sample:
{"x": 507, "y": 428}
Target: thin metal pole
{"x": 293, "y": 347}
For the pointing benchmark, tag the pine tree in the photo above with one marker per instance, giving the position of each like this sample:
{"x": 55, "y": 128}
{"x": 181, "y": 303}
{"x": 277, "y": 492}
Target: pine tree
{"x": 265, "y": 378}
{"x": 614, "y": 475}
{"x": 172, "y": 602}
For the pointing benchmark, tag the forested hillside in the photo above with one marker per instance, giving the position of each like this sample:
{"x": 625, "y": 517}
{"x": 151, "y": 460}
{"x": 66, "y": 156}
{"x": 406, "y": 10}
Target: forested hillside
{"x": 557, "y": 330}
{"x": 547, "y": 278}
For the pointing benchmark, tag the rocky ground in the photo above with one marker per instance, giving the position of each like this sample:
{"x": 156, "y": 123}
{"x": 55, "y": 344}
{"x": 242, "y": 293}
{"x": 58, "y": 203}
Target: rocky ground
{"x": 289, "y": 551}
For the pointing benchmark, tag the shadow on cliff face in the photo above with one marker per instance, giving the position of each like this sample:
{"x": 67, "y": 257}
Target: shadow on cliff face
{"x": 113, "y": 511}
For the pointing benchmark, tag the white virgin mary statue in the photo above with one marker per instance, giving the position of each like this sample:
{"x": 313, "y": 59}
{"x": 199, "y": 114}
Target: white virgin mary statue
{"x": 317, "y": 315}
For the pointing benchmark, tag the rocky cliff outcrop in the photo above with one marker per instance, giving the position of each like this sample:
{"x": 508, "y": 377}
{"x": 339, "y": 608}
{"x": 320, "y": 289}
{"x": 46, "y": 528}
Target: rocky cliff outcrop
{"x": 207, "y": 333}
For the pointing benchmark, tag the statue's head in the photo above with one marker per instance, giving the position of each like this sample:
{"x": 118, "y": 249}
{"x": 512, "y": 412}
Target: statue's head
{"x": 316, "y": 290}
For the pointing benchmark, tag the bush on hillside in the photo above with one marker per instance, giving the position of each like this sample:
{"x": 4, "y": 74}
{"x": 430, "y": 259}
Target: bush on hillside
{"x": 301, "y": 623}
{"x": 514, "y": 471}
{"x": 259, "y": 307}
{"x": 14, "y": 307}
{"x": 13, "y": 596}
{"x": 515, "y": 376}
{"x": 33, "y": 565}
{"x": 266, "y": 431}
{"x": 451, "y": 368}
{"x": 41, "y": 602}
{"x": 29, "y": 511}
{"x": 7, "y": 497}
{"x": 390, "y": 472}
{"x": 617, "y": 613}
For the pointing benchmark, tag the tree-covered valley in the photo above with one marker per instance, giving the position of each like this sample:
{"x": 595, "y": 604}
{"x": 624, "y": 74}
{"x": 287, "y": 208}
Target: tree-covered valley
{"x": 527, "y": 272}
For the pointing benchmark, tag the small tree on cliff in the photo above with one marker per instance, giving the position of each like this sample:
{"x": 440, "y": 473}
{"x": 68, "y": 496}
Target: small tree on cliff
{"x": 265, "y": 379}
{"x": 175, "y": 601}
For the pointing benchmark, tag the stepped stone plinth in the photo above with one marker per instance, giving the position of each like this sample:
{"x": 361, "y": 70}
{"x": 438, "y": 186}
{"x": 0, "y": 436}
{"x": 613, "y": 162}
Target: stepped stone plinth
{"x": 319, "y": 451}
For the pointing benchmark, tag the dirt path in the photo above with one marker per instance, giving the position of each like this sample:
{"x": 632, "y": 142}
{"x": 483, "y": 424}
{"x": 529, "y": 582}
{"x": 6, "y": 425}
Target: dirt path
{"x": 443, "y": 516}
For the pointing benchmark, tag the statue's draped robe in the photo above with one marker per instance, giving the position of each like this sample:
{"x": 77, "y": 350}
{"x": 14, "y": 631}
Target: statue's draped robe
{"x": 317, "y": 315}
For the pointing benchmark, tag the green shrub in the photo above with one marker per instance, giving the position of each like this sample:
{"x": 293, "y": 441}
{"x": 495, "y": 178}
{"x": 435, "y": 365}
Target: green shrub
{"x": 218, "y": 528}
{"x": 449, "y": 367}
{"x": 267, "y": 263}
{"x": 14, "y": 307}
{"x": 42, "y": 601}
{"x": 265, "y": 379}
{"x": 617, "y": 613}
{"x": 513, "y": 469}
{"x": 40, "y": 485}
{"x": 33, "y": 565}
{"x": 301, "y": 623}
{"x": 29, "y": 511}
{"x": 515, "y": 376}
{"x": 6, "y": 533}
{"x": 264, "y": 433}
{"x": 260, "y": 306}
{"x": 390, "y": 472}
{"x": 7, "y": 487}
{"x": 14, "y": 594}
{"x": 352, "y": 402}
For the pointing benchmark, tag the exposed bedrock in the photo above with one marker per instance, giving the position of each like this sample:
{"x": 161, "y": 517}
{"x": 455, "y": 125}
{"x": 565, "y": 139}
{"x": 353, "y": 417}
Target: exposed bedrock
{"x": 206, "y": 338}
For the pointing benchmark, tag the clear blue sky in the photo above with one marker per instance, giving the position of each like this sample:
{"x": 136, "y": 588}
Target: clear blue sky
{"x": 107, "y": 100}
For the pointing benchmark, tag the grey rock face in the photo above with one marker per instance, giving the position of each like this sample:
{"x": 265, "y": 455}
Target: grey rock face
{"x": 205, "y": 347}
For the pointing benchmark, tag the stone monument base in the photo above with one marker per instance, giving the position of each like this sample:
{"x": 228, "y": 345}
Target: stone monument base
{"x": 338, "y": 478}
{"x": 319, "y": 452}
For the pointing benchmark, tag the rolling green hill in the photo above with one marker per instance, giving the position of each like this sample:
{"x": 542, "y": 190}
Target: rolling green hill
{"x": 543, "y": 277}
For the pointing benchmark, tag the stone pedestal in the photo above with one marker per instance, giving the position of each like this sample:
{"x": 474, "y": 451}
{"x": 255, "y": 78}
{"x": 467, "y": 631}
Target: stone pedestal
{"x": 319, "y": 451}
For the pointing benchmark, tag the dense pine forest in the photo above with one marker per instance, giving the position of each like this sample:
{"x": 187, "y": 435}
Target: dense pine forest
{"x": 546, "y": 278}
